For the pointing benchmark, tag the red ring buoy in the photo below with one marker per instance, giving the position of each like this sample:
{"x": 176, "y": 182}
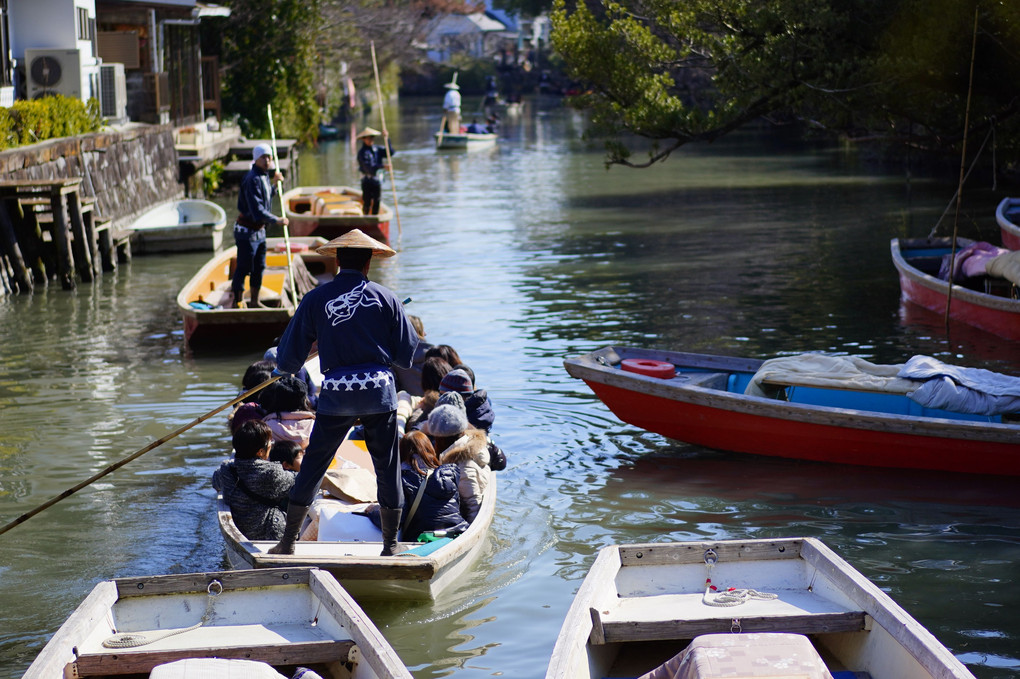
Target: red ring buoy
{"x": 646, "y": 366}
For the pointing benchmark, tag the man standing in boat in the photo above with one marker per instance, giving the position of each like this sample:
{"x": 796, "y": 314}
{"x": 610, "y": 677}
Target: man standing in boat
{"x": 254, "y": 207}
{"x": 371, "y": 159}
{"x": 451, "y": 106}
{"x": 362, "y": 331}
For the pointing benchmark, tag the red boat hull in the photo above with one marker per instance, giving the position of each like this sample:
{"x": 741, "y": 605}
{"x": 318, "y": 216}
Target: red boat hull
{"x": 740, "y": 432}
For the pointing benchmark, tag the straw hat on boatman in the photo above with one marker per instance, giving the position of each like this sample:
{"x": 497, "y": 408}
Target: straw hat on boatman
{"x": 369, "y": 132}
{"x": 362, "y": 334}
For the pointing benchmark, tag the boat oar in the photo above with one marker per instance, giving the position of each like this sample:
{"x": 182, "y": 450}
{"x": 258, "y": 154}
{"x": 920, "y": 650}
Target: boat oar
{"x": 283, "y": 210}
{"x": 386, "y": 138}
{"x": 117, "y": 465}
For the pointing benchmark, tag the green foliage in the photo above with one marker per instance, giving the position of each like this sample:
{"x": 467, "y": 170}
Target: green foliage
{"x": 896, "y": 70}
{"x": 269, "y": 49}
{"x": 212, "y": 175}
{"x": 36, "y": 120}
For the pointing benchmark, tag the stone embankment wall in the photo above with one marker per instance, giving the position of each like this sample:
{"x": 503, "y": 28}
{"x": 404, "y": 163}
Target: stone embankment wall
{"x": 127, "y": 170}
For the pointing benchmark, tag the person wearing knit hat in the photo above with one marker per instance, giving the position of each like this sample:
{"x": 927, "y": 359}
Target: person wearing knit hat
{"x": 362, "y": 331}
{"x": 371, "y": 159}
{"x": 476, "y": 401}
{"x": 254, "y": 208}
{"x": 456, "y": 380}
{"x": 458, "y": 443}
{"x": 447, "y": 421}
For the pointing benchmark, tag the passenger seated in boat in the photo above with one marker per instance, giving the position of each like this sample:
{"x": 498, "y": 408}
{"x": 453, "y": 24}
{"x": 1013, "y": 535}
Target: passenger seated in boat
{"x": 303, "y": 374}
{"x": 256, "y": 373}
{"x": 476, "y": 401}
{"x": 254, "y": 488}
{"x": 445, "y": 352}
{"x": 438, "y": 507}
{"x": 475, "y": 128}
{"x": 409, "y": 379}
{"x": 288, "y": 413}
{"x": 288, "y": 453}
{"x": 432, "y": 372}
{"x": 457, "y": 442}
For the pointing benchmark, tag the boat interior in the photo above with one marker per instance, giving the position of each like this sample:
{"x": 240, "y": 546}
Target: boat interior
{"x": 928, "y": 260}
{"x": 325, "y": 203}
{"x": 310, "y": 269}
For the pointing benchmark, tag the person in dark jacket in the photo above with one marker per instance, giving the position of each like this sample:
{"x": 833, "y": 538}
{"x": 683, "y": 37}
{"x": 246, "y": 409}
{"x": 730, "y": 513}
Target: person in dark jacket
{"x": 371, "y": 159}
{"x": 439, "y": 507}
{"x": 254, "y": 488}
{"x": 409, "y": 379}
{"x": 254, "y": 207}
{"x": 476, "y": 401}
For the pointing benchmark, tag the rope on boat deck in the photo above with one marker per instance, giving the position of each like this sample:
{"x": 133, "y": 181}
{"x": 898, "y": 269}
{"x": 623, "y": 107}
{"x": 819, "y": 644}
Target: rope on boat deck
{"x": 731, "y": 596}
{"x": 134, "y": 639}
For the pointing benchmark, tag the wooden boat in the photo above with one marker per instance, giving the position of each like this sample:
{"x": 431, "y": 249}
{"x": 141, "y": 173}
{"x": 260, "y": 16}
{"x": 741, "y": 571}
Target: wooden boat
{"x": 465, "y": 141}
{"x": 284, "y": 618}
{"x": 205, "y": 301}
{"x": 331, "y": 211}
{"x": 1008, "y": 217}
{"x": 640, "y": 605}
{"x": 179, "y": 226}
{"x": 701, "y": 400}
{"x": 989, "y": 305}
{"x": 420, "y": 572}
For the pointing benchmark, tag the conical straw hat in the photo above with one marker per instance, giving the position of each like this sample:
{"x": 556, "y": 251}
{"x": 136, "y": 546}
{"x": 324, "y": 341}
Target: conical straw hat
{"x": 355, "y": 238}
{"x": 369, "y": 132}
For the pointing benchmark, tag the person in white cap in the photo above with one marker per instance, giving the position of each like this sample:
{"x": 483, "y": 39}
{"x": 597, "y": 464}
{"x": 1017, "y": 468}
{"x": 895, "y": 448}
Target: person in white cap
{"x": 254, "y": 207}
{"x": 362, "y": 331}
{"x": 451, "y": 107}
{"x": 371, "y": 159}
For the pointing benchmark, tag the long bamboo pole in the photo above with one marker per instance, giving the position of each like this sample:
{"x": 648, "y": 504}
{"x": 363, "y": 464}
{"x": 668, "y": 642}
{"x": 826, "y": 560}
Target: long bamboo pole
{"x": 283, "y": 210}
{"x": 386, "y": 138}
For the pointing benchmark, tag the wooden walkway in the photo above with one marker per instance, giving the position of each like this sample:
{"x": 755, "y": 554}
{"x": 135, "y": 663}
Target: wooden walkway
{"x": 49, "y": 231}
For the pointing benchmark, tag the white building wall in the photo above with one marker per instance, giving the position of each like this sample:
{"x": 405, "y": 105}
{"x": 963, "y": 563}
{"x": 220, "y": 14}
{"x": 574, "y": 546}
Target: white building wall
{"x": 53, "y": 24}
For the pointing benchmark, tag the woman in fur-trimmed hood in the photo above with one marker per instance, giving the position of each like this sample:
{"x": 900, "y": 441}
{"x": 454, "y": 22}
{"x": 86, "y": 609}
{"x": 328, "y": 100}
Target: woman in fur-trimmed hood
{"x": 462, "y": 445}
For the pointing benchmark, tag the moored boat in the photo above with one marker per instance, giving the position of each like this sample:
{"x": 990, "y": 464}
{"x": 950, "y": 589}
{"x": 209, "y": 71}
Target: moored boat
{"x": 747, "y": 604}
{"x": 465, "y": 141}
{"x": 421, "y": 571}
{"x": 179, "y": 226}
{"x": 331, "y": 211}
{"x": 986, "y": 302}
{"x": 1008, "y": 217}
{"x": 701, "y": 399}
{"x": 219, "y": 623}
{"x": 205, "y": 301}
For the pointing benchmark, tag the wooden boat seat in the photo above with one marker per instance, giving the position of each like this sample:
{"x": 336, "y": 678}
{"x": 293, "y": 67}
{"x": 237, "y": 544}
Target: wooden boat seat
{"x": 273, "y": 644}
{"x": 684, "y": 616}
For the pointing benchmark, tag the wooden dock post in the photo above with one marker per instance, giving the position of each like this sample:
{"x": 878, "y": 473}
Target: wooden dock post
{"x": 62, "y": 240}
{"x": 10, "y": 249}
{"x": 79, "y": 242}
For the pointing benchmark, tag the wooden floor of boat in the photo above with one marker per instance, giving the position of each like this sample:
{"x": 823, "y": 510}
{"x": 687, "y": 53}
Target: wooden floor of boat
{"x": 684, "y": 616}
{"x": 276, "y": 644}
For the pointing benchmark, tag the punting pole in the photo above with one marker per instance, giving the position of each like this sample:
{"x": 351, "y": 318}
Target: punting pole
{"x": 386, "y": 138}
{"x": 283, "y": 210}
{"x": 117, "y": 465}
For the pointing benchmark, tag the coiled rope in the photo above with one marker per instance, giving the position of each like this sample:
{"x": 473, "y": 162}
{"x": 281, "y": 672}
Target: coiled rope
{"x": 731, "y": 596}
{"x": 134, "y": 639}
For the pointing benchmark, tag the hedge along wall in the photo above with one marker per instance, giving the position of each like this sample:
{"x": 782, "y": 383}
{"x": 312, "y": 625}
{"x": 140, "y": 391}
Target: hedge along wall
{"x": 127, "y": 171}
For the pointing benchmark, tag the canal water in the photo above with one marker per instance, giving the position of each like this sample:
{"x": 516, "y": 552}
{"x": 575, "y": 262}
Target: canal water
{"x": 518, "y": 257}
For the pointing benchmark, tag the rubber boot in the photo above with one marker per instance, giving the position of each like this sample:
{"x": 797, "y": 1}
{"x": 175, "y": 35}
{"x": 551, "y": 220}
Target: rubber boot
{"x": 295, "y": 517}
{"x": 238, "y": 298}
{"x": 390, "y": 522}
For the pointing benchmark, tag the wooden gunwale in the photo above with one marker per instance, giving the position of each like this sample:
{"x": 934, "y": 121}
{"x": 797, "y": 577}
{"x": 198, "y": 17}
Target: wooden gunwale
{"x": 588, "y": 369}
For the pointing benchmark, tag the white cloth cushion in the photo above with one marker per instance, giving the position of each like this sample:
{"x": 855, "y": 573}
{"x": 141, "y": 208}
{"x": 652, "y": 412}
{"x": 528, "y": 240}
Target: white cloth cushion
{"x": 214, "y": 668}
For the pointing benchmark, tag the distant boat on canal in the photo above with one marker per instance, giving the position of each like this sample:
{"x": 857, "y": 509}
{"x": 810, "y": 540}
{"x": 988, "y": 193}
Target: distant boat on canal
{"x": 701, "y": 399}
{"x": 331, "y": 211}
{"x": 465, "y": 141}
{"x": 179, "y": 226}
{"x": 987, "y": 302}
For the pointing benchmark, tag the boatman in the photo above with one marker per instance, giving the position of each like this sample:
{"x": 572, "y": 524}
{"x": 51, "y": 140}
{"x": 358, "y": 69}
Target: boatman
{"x": 371, "y": 159}
{"x": 254, "y": 207}
{"x": 451, "y": 106}
{"x": 361, "y": 331}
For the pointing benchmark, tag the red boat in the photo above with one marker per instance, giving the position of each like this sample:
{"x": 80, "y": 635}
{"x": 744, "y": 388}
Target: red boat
{"x": 1007, "y": 215}
{"x": 700, "y": 399}
{"x": 984, "y": 302}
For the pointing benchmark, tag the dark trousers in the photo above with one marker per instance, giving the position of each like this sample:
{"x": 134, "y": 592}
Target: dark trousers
{"x": 371, "y": 191}
{"x": 329, "y": 432}
{"x": 251, "y": 256}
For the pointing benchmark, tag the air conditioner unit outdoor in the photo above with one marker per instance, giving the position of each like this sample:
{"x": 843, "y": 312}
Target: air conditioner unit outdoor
{"x": 53, "y": 71}
{"x": 113, "y": 92}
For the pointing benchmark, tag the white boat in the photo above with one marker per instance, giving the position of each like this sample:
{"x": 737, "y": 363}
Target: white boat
{"x": 420, "y": 572}
{"x": 283, "y": 618}
{"x": 179, "y": 226}
{"x": 1007, "y": 215}
{"x": 466, "y": 141}
{"x": 642, "y": 605}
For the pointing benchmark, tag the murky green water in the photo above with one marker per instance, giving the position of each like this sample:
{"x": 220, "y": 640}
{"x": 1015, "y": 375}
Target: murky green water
{"x": 518, "y": 257}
